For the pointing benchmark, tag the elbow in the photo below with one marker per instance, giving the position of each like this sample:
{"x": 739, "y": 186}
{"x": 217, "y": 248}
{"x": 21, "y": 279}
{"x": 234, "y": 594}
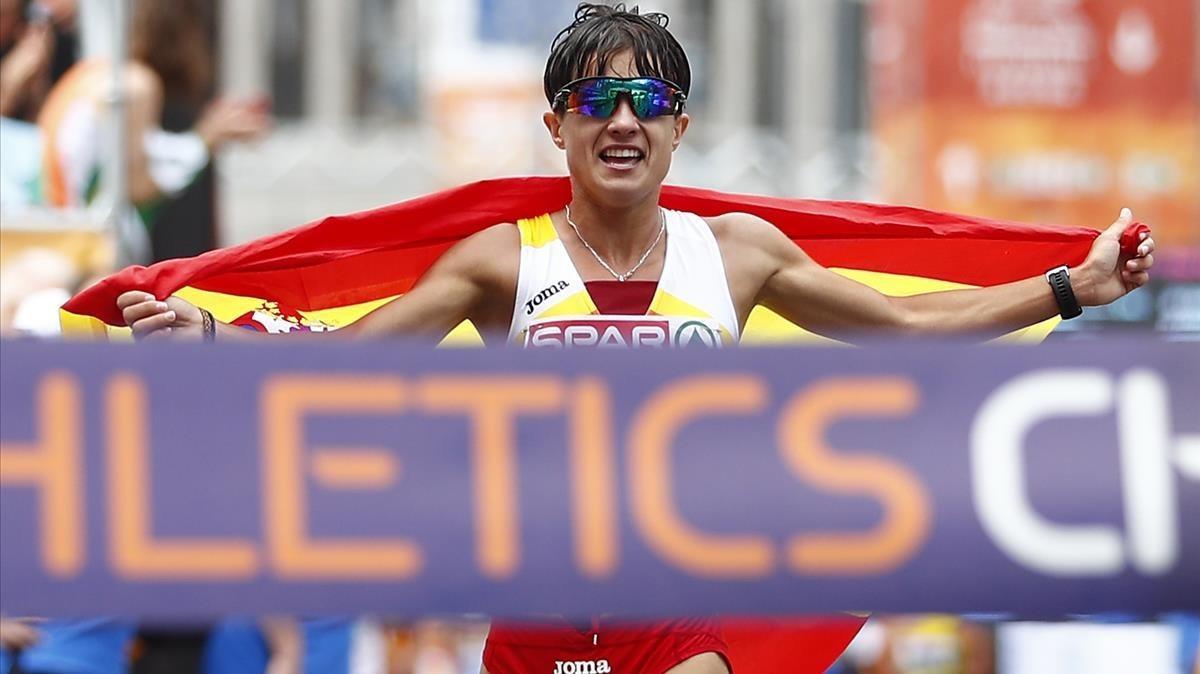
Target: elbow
{"x": 908, "y": 321}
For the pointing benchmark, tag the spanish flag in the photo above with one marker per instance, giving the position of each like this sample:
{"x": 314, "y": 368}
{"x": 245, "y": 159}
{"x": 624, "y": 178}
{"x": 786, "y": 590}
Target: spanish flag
{"x": 332, "y": 272}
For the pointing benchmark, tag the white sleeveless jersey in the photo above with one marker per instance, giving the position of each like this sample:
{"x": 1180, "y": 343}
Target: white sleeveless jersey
{"x": 691, "y": 307}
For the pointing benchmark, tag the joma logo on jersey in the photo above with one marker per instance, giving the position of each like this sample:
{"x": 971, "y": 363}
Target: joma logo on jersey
{"x": 601, "y": 333}
{"x": 536, "y": 300}
{"x": 582, "y": 667}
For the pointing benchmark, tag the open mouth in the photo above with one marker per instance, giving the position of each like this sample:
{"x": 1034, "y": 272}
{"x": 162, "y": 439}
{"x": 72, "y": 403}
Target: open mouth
{"x": 622, "y": 158}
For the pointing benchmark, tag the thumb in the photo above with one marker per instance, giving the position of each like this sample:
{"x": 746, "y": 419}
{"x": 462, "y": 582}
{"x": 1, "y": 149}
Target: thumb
{"x": 1115, "y": 229}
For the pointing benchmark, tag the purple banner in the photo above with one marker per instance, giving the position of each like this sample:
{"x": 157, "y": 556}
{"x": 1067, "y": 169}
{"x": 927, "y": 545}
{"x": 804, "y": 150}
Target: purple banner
{"x": 180, "y": 481}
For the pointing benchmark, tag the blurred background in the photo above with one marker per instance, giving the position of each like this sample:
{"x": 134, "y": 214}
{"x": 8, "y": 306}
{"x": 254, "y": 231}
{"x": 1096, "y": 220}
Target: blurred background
{"x": 141, "y": 130}
{"x": 1047, "y": 111}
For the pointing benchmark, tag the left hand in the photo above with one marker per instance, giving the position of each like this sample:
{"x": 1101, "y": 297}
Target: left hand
{"x": 1107, "y": 274}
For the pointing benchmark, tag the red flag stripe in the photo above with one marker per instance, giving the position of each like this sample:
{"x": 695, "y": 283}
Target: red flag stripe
{"x": 354, "y": 258}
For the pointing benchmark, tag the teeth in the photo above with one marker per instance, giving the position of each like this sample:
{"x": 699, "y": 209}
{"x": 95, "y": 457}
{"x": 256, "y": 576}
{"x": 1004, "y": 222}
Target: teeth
{"x": 623, "y": 154}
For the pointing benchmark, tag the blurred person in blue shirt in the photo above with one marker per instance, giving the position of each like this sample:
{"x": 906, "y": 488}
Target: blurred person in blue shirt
{"x": 96, "y": 646}
{"x": 284, "y": 646}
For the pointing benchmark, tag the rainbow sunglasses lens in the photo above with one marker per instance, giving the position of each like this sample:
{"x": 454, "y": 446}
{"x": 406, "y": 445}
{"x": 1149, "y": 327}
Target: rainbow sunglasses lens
{"x": 599, "y": 96}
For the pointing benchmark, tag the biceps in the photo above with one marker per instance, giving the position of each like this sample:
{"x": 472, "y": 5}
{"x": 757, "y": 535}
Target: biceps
{"x": 827, "y": 303}
{"x": 430, "y": 310}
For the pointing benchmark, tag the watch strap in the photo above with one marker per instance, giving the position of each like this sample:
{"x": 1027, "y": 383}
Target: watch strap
{"x": 1059, "y": 279}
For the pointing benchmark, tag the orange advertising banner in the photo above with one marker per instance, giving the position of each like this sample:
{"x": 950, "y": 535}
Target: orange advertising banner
{"x": 1042, "y": 110}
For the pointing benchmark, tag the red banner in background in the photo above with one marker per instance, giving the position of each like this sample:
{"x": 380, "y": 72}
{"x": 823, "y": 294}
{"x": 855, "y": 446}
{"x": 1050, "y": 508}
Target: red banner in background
{"x": 1041, "y": 110}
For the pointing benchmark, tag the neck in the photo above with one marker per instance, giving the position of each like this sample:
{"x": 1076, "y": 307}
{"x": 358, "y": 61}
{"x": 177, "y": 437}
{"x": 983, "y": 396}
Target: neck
{"x": 618, "y": 233}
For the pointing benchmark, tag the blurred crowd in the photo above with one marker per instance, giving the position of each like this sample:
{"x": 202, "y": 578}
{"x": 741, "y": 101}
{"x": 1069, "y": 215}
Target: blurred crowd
{"x": 58, "y": 101}
{"x": 57, "y": 208}
{"x": 892, "y": 644}
{"x": 273, "y": 645}
{"x": 946, "y": 644}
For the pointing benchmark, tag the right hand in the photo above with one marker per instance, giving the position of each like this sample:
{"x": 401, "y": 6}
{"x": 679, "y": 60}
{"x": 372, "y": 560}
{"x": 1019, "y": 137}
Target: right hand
{"x": 150, "y": 318}
{"x": 28, "y": 60}
{"x": 226, "y": 120}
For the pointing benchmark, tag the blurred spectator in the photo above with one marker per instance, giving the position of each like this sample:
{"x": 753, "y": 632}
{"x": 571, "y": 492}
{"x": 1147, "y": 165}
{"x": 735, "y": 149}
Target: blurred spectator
{"x": 921, "y": 644}
{"x": 1188, "y": 625}
{"x": 17, "y": 634}
{"x": 97, "y": 646}
{"x": 38, "y": 43}
{"x": 64, "y": 16}
{"x": 286, "y": 646}
{"x": 20, "y": 165}
{"x": 32, "y": 287}
{"x": 26, "y": 54}
{"x": 170, "y": 57}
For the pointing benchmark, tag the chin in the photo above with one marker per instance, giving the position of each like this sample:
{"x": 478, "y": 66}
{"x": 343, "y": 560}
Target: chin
{"x": 622, "y": 190}
{"x": 624, "y": 193}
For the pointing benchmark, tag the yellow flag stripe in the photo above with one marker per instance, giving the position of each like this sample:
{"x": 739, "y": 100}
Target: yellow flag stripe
{"x": 763, "y": 327}
{"x": 767, "y": 327}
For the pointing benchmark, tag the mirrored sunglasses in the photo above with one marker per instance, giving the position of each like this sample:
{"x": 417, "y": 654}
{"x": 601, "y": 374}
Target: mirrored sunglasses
{"x": 600, "y": 96}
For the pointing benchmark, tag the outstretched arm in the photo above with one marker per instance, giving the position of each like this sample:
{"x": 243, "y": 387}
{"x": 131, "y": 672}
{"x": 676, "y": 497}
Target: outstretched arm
{"x": 819, "y": 300}
{"x": 455, "y": 288}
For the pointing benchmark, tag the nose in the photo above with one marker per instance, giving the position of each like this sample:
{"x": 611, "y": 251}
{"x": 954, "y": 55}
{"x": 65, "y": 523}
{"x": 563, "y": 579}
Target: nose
{"x": 624, "y": 120}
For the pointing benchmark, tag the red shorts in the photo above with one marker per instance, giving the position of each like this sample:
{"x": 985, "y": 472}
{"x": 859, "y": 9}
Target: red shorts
{"x": 619, "y": 648}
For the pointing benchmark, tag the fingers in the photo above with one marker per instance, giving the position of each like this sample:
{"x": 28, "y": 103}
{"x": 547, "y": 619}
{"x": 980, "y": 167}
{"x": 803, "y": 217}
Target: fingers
{"x": 146, "y": 316}
{"x": 142, "y": 310}
{"x": 1143, "y": 263}
{"x": 1147, "y": 246}
{"x": 152, "y": 324}
{"x": 132, "y": 297}
{"x": 164, "y": 333}
{"x": 1135, "y": 279}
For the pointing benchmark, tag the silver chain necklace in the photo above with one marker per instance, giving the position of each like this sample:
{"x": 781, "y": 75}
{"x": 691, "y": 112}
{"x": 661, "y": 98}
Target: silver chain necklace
{"x": 621, "y": 277}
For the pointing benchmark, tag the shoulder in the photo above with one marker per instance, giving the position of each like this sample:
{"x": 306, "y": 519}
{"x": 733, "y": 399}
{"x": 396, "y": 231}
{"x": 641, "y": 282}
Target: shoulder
{"x": 502, "y": 235}
{"x": 492, "y": 253}
{"x": 494, "y": 241}
{"x": 143, "y": 84}
{"x": 746, "y": 231}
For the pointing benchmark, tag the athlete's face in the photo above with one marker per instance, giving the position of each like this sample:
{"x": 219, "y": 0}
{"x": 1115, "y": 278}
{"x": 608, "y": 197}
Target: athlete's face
{"x": 619, "y": 160}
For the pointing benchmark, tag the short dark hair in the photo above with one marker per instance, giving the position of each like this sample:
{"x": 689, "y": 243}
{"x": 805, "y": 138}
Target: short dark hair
{"x": 601, "y": 32}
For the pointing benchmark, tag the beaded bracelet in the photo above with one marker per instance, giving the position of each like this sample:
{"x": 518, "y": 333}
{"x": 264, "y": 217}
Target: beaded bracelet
{"x": 209, "y": 325}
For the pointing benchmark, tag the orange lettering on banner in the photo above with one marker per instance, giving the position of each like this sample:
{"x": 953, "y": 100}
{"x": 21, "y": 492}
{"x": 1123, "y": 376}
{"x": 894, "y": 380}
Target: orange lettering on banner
{"x": 906, "y": 509}
{"x": 133, "y": 550}
{"x": 493, "y": 404}
{"x": 53, "y": 464}
{"x": 652, "y": 487}
{"x": 595, "y": 517}
{"x": 354, "y": 468}
{"x": 286, "y": 400}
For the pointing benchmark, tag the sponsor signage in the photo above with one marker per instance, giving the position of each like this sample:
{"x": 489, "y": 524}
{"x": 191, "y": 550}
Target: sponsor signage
{"x": 1060, "y": 111}
{"x": 179, "y": 481}
{"x": 638, "y": 332}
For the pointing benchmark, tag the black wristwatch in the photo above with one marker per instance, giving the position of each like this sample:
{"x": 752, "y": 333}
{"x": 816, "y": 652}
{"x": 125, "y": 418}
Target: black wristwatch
{"x": 1060, "y": 282}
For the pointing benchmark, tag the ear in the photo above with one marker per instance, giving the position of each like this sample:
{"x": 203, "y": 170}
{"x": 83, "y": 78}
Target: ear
{"x": 681, "y": 127}
{"x": 554, "y": 126}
